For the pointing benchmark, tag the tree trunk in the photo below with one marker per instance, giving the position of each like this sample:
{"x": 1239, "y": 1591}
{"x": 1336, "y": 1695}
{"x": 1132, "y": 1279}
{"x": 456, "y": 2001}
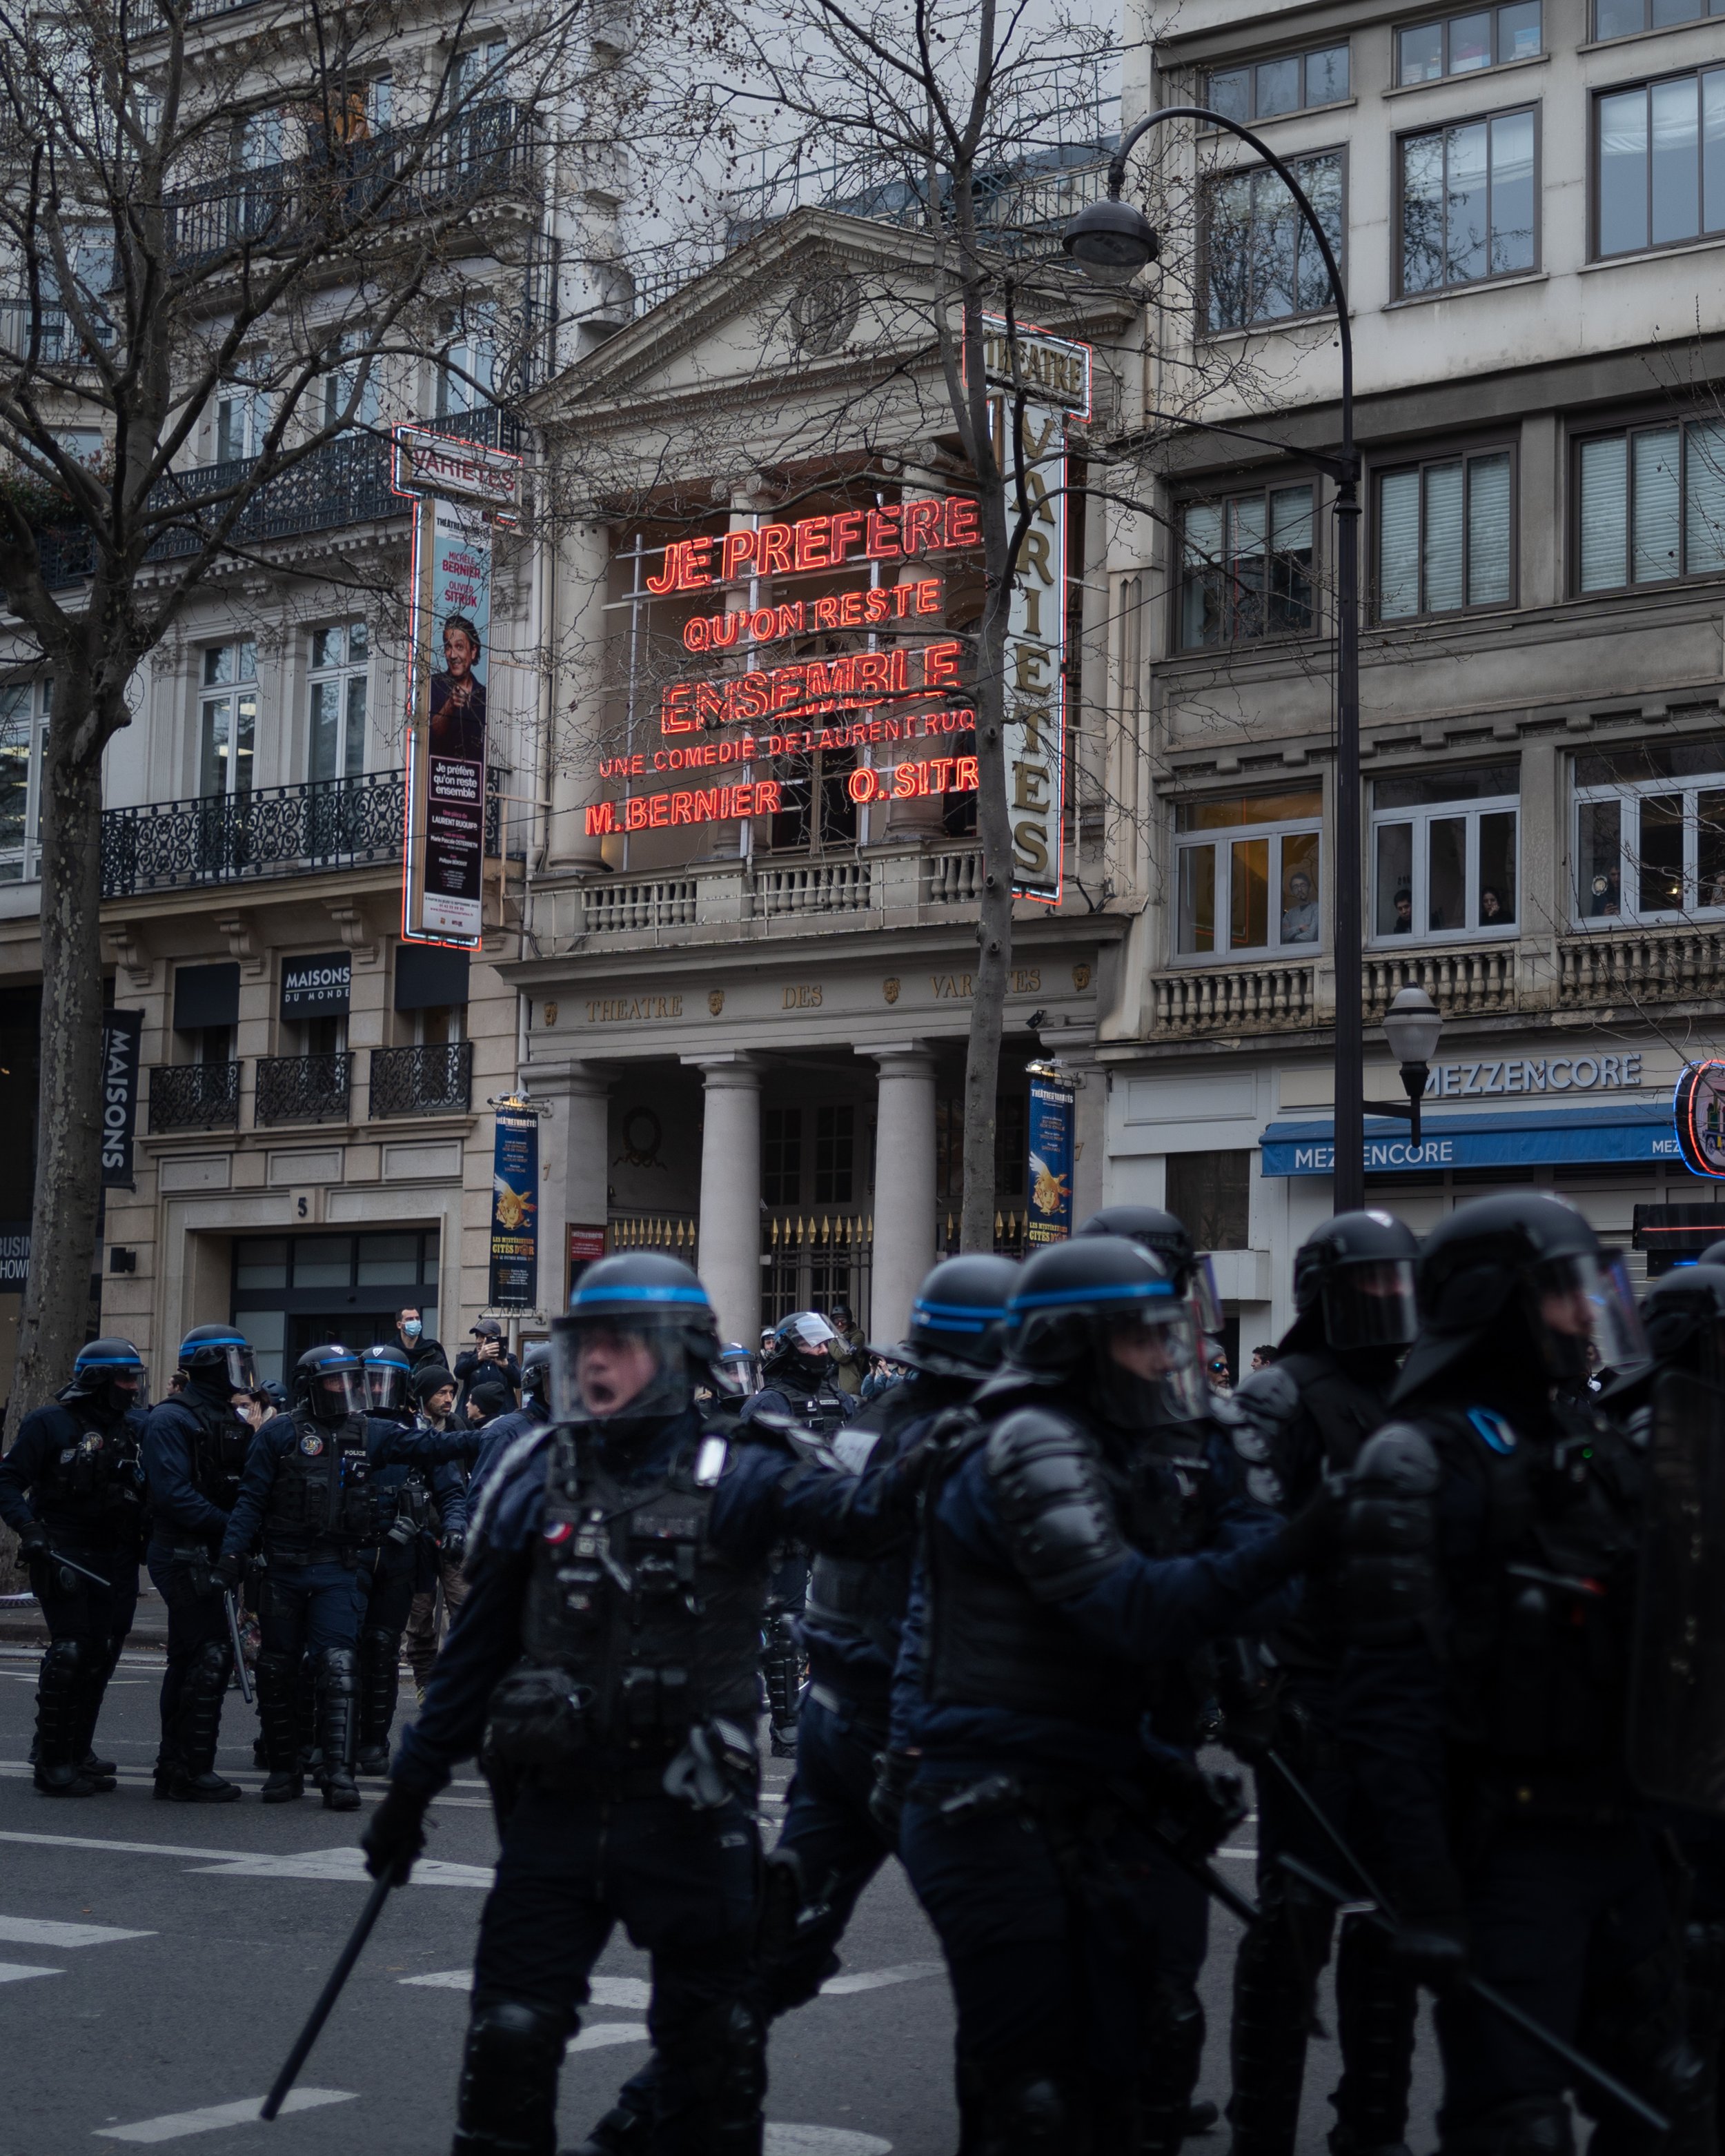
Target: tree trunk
{"x": 988, "y": 1003}
{"x": 62, "y": 1222}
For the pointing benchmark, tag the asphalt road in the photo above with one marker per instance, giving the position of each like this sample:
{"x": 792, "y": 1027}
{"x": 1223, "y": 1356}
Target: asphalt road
{"x": 157, "y": 1960}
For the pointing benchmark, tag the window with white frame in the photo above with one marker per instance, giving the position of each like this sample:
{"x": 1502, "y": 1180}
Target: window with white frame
{"x": 1246, "y": 874}
{"x": 1445, "y": 532}
{"x": 244, "y": 409}
{"x": 340, "y": 668}
{"x": 1443, "y": 848}
{"x": 227, "y": 718}
{"x": 24, "y": 706}
{"x": 1261, "y": 262}
{"x": 1247, "y": 562}
{"x": 1650, "y": 505}
{"x": 1649, "y": 832}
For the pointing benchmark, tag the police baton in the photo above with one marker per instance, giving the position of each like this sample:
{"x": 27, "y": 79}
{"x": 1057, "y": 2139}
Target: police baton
{"x": 230, "y": 1603}
{"x": 1488, "y": 1994}
{"x": 83, "y": 1571}
{"x": 327, "y": 1997}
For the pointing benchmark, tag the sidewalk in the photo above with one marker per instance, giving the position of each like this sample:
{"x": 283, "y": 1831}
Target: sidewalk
{"x": 21, "y": 1624}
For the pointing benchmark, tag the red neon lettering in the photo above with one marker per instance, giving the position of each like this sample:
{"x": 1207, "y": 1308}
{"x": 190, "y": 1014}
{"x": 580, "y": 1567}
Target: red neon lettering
{"x": 697, "y": 564}
{"x": 697, "y": 634}
{"x": 766, "y": 796}
{"x": 666, "y": 580}
{"x": 735, "y": 548}
{"x": 787, "y": 687}
{"x": 940, "y": 663}
{"x": 753, "y": 698}
{"x": 962, "y": 529}
{"x": 773, "y": 551}
{"x": 601, "y": 819}
{"x": 634, "y": 817}
{"x": 814, "y": 541}
{"x": 787, "y": 621}
{"x": 710, "y": 703}
{"x": 922, "y": 524}
{"x": 874, "y": 674}
{"x": 881, "y": 543}
{"x": 658, "y": 810}
{"x": 968, "y": 777}
{"x": 826, "y": 610}
{"x": 927, "y": 595}
{"x": 847, "y": 529}
{"x": 674, "y": 708}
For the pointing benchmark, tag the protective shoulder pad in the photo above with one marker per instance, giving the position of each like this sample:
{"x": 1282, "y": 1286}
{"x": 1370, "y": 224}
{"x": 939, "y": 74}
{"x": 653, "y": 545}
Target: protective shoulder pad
{"x": 499, "y": 1519}
{"x": 1400, "y": 1460}
{"x": 1056, "y": 1508}
{"x": 775, "y": 1431}
{"x": 1269, "y": 1395}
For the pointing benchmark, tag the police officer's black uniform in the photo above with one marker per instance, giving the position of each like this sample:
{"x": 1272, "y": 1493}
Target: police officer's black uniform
{"x": 195, "y": 1449}
{"x": 1306, "y": 1417}
{"x": 605, "y": 1660}
{"x": 1051, "y": 1634}
{"x": 73, "y": 1487}
{"x": 1493, "y": 1536}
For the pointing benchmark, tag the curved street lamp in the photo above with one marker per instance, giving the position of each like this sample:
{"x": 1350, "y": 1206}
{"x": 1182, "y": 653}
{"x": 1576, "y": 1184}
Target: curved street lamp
{"x": 1110, "y": 241}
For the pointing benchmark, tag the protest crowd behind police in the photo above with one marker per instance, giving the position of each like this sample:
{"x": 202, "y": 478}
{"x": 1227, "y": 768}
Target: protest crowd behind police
{"x": 1029, "y": 1594}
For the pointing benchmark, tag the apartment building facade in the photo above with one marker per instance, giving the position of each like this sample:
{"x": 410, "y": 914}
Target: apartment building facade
{"x": 1528, "y": 202}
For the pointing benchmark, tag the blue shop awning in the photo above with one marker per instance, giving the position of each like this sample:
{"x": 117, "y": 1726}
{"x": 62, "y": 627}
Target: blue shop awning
{"x": 1633, "y": 1130}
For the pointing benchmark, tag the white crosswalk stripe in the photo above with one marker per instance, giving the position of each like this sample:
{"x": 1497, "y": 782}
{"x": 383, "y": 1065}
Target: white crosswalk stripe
{"x": 599, "y": 2035}
{"x": 173, "y": 2125}
{"x": 36, "y": 1932}
{"x": 823, "y": 2141}
{"x": 15, "y": 1972}
{"x": 873, "y": 1979}
{"x": 340, "y": 1861}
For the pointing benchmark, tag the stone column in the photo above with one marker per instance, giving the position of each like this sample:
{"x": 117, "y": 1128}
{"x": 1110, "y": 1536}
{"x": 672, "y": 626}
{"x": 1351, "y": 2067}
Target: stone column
{"x": 731, "y": 1192}
{"x": 904, "y": 1184}
{"x": 575, "y": 1148}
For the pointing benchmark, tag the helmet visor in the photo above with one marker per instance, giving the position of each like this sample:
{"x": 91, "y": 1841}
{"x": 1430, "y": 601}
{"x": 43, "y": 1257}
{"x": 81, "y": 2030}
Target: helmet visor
{"x": 386, "y": 1387}
{"x": 1371, "y": 1304}
{"x": 600, "y": 1367}
{"x": 336, "y": 1395}
{"x": 1206, "y": 1301}
{"x": 807, "y": 1331}
{"x": 242, "y": 1367}
{"x": 1152, "y": 1347}
{"x": 1587, "y": 1320}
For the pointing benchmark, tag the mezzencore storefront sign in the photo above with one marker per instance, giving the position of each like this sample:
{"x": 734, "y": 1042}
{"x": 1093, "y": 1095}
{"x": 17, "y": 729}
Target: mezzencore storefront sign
{"x": 1044, "y": 380}
{"x": 1623, "y": 1131}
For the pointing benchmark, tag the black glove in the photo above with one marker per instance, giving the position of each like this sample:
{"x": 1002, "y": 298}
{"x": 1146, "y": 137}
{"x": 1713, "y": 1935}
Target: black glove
{"x": 454, "y": 1544}
{"x": 1430, "y": 1938}
{"x": 230, "y": 1569}
{"x": 395, "y": 1834}
{"x": 32, "y": 1555}
{"x": 894, "y": 1772}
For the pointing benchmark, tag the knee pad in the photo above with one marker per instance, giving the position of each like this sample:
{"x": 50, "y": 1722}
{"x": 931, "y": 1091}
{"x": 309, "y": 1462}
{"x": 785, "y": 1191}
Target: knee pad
{"x": 1532, "y": 2125}
{"x": 338, "y": 1672}
{"x": 509, "y": 2079}
{"x": 1026, "y": 2115}
{"x": 275, "y": 1675}
{"x": 65, "y": 1666}
{"x": 207, "y": 1675}
{"x": 377, "y": 1646}
{"x": 723, "y": 2052}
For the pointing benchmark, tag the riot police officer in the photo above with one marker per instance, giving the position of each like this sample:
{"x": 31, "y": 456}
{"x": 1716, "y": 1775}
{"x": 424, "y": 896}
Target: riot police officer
{"x": 507, "y": 1429}
{"x": 72, "y": 1488}
{"x": 833, "y": 1842}
{"x": 1305, "y": 1417}
{"x": 605, "y": 1660}
{"x": 195, "y": 1448}
{"x": 309, "y": 1498}
{"x": 1058, "y": 1602}
{"x": 1165, "y": 1235}
{"x": 798, "y": 1377}
{"x": 1492, "y": 1539}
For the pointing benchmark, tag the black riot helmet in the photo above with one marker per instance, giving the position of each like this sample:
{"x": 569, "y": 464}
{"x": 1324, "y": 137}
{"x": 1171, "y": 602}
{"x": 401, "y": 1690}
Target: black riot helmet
{"x": 1683, "y": 1316}
{"x": 219, "y": 1361}
{"x": 1713, "y": 1254}
{"x": 330, "y": 1384}
{"x": 386, "y": 1374}
{"x": 797, "y": 1350}
{"x": 640, "y": 1334}
{"x": 1166, "y": 1236}
{"x": 109, "y": 1376}
{"x": 1522, "y": 1278}
{"x": 1103, "y": 1315}
{"x": 959, "y": 1320}
{"x": 536, "y": 1377}
{"x": 1354, "y": 1278}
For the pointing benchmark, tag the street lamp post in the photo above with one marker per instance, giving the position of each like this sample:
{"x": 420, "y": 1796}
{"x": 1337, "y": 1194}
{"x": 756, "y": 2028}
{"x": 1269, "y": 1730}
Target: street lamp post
{"x": 1413, "y": 1026}
{"x": 1110, "y": 241}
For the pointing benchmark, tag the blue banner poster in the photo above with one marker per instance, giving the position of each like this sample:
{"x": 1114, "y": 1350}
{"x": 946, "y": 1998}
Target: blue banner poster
{"x": 515, "y": 1209}
{"x": 1049, "y": 1183}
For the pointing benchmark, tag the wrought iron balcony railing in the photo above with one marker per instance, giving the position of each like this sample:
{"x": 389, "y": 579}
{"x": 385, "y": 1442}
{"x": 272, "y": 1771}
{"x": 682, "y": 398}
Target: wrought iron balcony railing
{"x": 302, "y": 1089}
{"x": 279, "y": 830}
{"x": 422, "y": 1081}
{"x": 194, "y": 1096}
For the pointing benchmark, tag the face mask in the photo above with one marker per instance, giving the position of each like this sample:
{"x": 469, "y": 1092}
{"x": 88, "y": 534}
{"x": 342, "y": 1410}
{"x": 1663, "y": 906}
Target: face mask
{"x": 412, "y": 1329}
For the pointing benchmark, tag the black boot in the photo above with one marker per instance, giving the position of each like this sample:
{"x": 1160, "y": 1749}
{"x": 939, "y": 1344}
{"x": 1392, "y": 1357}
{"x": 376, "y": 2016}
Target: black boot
{"x": 306, "y": 1721}
{"x": 379, "y": 1683}
{"x": 198, "y": 1729}
{"x": 508, "y": 2102}
{"x": 1376, "y": 2003}
{"x": 278, "y": 1733}
{"x": 59, "y": 1721}
{"x": 1273, "y": 1975}
{"x": 337, "y": 1722}
{"x": 101, "y": 1772}
{"x": 627, "y": 2127}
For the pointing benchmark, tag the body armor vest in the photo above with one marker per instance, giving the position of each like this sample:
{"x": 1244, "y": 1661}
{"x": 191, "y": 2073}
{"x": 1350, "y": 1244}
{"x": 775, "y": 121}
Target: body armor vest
{"x": 94, "y": 1482}
{"x": 323, "y": 1495}
{"x": 628, "y": 1598}
{"x": 1543, "y": 1624}
{"x": 992, "y": 1643}
{"x": 1344, "y": 1413}
{"x": 218, "y": 1451}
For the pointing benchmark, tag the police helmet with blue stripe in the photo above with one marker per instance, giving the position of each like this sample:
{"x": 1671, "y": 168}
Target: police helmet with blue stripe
{"x": 639, "y": 1334}
{"x": 959, "y": 1320}
{"x": 1104, "y": 1315}
{"x": 387, "y": 1373}
{"x": 218, "y": 1361}
{"x": 109, "y": 1373}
